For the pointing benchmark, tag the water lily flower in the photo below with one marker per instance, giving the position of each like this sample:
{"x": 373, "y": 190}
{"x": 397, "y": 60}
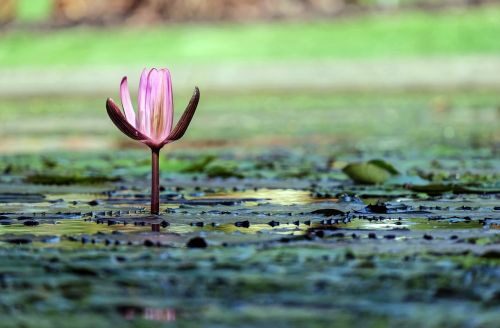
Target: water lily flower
{"x": 152, "y": 124}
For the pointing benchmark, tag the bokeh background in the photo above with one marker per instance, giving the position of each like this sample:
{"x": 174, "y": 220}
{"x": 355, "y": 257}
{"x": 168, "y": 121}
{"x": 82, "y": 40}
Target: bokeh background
{"x": 357, "y": 74}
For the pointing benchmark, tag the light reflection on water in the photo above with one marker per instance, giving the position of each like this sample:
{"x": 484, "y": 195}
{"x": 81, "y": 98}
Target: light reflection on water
{"x": 152, "y": 314}
{"x": 274, "y": 196}
{"x": 354, "y": 224}
{"x": 409, "y": 223}
{"x": 69, "y": 227}
{"x": 261, "y": 227}
{"x": 74, "y": 197}
{"x": 79, "y": 226}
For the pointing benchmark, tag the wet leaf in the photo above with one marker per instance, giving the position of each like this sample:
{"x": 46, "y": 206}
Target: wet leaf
{"x": 384, "y": 165}
{"x": 367, "y": 173}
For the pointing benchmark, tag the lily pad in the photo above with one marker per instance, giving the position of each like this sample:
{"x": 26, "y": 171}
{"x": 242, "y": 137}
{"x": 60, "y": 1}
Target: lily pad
{"x": 49, "y": 179}
{"x": 385, "y": 165}
{"x": 222, "y": 169}
{"x": 199, "y": 165}
{"x": 369, "y": 172}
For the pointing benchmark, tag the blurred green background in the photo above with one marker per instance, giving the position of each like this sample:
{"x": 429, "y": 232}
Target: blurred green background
{"x": 383, "y": 75}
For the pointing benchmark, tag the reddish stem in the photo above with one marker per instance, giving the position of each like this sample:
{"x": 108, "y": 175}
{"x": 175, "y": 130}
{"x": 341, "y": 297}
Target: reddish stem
{"x": 155, "y": 181}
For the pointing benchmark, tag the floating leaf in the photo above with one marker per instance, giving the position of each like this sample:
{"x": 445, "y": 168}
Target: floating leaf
{"x": 49, "y": 179}
{"x": 367, "y": 173}
{"x": 199, "y": 165}
{"x": 222, "y": 169}
{"x": 433, "y": 188}
{"x": 476, "y": 189}
{"x": 384, "y": 165}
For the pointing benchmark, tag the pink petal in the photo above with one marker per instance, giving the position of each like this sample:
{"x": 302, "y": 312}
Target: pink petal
{"x": 168, "y": 104}
{"x": 143, "y": 84}
{"x": 126, "y": 102}
{"x": 161, "y": 104}
{"x": 151, "y": 91}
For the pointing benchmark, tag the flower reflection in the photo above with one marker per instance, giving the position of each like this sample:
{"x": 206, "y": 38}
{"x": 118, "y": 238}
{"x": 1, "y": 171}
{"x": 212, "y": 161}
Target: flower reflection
{"x": 153, "y": 314}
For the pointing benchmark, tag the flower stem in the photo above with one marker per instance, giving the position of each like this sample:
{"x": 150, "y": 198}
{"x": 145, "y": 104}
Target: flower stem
{"x": 155, "y": 181}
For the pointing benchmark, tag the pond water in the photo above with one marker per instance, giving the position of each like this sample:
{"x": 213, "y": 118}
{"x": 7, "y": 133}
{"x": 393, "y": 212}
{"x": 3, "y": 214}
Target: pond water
{"x": 285, "y": 212}
{"x": 283, "y": 232}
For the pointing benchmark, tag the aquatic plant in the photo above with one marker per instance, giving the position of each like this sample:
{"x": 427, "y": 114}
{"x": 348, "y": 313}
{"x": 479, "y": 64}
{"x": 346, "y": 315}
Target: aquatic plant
{"x": 153, "y": 124}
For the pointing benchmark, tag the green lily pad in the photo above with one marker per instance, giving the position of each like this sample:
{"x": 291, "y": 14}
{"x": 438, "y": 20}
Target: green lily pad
{"x": 199, "y": 165}
{"x": 49, "y": 179}
{"x": 222, "y": 169}
{"x": 385, "y": 165}
{"x": 372, "y": 172}
{"x": 494, "y": 189}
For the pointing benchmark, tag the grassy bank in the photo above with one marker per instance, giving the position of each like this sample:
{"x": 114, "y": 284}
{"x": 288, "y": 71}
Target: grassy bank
{"x": 406, "y": 34}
